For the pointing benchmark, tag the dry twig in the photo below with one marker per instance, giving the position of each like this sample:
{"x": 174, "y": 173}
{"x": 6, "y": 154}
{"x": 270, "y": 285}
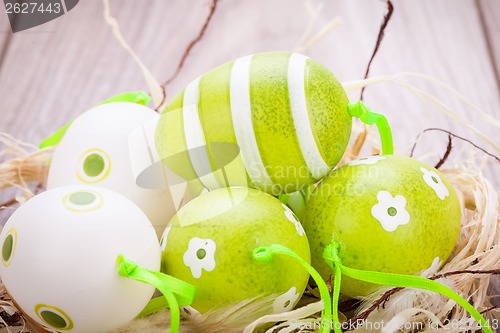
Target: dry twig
{"x": 192, "y": 44}
{"x": 448, "y": 150}
{"x": 386, "y": 20}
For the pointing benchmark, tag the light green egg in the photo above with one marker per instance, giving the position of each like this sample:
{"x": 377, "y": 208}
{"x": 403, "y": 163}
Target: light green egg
{"x": 210, "y": 244}
{"x": 388, "y": 213}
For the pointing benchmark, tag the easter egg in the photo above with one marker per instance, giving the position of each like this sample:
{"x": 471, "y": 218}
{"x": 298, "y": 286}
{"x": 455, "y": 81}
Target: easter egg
{"x": 59, "y": 258}
{"x": 210, "y": 241}
{"x": 388, "y": 213}
{"x": 95, "y": 151}
{"x": 287, "y": 114}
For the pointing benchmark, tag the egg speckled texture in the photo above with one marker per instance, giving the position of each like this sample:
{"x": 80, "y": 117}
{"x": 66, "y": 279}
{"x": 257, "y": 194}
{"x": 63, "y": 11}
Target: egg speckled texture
{"x": 95, "y": 151}
{"x": 389, "y": 213}
{"x": 287, "y": 113}
{"x": 59, "y": 252}
{"x": 209, "y": 243}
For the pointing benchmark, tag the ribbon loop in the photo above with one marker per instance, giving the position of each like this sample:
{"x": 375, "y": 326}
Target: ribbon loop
{"x": 166, "y": 284}
{"x": 125, "y": 267}
{"x": 361, "y": 111}
{"x": 331, "y": 254}
{"x": 262, "y": 254}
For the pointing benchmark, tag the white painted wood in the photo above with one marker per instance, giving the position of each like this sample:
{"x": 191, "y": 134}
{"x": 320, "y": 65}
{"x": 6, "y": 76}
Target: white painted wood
{"x": 54, "y": 72}
{"x": 491, "y": 14}
{"x": 5, "y": 32}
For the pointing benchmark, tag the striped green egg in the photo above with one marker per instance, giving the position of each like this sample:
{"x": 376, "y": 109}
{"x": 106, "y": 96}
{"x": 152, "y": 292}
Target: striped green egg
{"x": 286, "y": 114}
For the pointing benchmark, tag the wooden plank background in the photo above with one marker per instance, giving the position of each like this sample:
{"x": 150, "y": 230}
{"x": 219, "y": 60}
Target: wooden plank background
{"x": 489, "y": 12}
{"x": 52, "y": 73}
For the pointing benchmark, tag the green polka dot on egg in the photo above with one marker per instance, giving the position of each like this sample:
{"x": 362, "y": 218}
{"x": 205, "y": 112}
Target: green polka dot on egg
{"x": 83, "y": 201}
{"x": 7, "y": 247}
{"x": 93, "y": 165}
{"x": 82, "y": 198}
{"x": 54, "y": 317}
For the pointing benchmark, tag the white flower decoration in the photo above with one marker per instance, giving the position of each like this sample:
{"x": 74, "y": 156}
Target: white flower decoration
{"x": 366, "y": 160}
{"x": 390, "y": 211}
{"x": 285, "y": 302}
{"x": 163, "y": 240}
{"x": 200, "y": 255}
{"x": 434, "y": 181}
{"x": 290, "y": 215}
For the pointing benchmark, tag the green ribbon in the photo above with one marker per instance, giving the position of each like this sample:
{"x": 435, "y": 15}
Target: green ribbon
{"x": 331, "y": 256}
{"x": 136, "y": 97}
{"x": 264, "y": 254}
{"x": 167, "y": 285}
{"x": 139, "y": 97}
{"x": 361, "y": 111}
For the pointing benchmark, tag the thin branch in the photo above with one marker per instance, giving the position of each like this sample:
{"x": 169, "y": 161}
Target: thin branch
{"x": 387, "y": 18}
{"x": 329, "y": 283}
{"x": 38, "y": 188}
{"x": 446, "y": 153}
{"x": 455, "y": 136}
{"x": 443, "y": 275}
{"x": 11, "y": 320}
{"x": 193, "y": 43}
{"x": 351, "y": 323}
{"x": 349, "y": 305}
{"x": 164, "y": 97}
{"x": 8, "y": 203}
{"x": 488, "y": 309}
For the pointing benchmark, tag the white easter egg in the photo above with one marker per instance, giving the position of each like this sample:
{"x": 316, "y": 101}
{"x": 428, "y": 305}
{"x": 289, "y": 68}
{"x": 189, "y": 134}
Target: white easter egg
{"x": 95, "y": 151}
{"x": 59, "y": 253}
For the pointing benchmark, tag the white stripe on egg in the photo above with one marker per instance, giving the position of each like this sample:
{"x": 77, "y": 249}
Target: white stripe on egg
{"x": 296, "y": 90}
{"x": 241, "y": 112}
{"x": 193, "y": 132}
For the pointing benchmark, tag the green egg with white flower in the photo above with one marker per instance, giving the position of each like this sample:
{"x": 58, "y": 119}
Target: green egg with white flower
{"x": 210, "y": 242}
{"x": 287, "y": 114}
{"x": 388, "y": 213}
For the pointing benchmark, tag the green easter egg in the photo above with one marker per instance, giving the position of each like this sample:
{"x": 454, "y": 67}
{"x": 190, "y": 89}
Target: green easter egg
{"x": 287, "y": 114}
{"x": 388, "y": 213}
{"x": 210, "y": 244}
